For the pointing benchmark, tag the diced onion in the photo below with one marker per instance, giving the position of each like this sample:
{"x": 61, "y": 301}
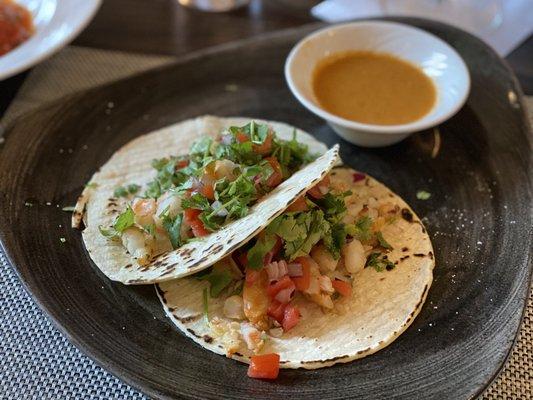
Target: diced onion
{"x": 222, "y": 212}
{"x": 226, "y": 139}
{"x": 276, "y": 270}
{"x": 295, "y": 269}
{"x": 323, "y": 189}
{"x": 285, "y": 295}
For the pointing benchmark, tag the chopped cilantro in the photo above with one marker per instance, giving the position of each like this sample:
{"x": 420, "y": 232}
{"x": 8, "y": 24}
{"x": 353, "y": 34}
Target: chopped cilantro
{"x": 108, "y": 233}
{"x": 334, "y": 206}
{"x": 124, "y": 191}
{"x": 120, "y": 192}
{"x": 423, "y": 195}
{"x": 382, "y": 242}
{"x": 218, "y": 280}
{"x": 196, "y": 201}
{"x": 336, "y": 240}
{"x": 91, "y": 185}
{"x": 361, "y": 229}
{"x": 379, "y": 262}
{"x": 261, "y": 247}
{"x": 300, "y": 231}
{"x": 124, "y": 220}
{"x": 133, "y": 188}
{"x": 173, "y": 228}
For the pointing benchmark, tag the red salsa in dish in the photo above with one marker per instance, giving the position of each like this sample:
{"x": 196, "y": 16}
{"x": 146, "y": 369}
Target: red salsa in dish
{"x": 16, "y": 25}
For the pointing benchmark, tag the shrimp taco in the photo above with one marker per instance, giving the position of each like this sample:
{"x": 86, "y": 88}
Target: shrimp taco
{"x": 173, "y": 202}
{"x": 340, "y": 274}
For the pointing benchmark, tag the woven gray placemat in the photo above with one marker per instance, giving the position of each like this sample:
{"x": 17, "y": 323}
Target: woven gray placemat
{"x": 36, "y": 361}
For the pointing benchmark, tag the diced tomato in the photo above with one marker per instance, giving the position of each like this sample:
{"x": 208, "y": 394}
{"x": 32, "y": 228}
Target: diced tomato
{"x": 208, "y": 191}
{"x": 264, "y": 366}
{"x": 241, "y": 137}
{"x": 344, "y": 288}
{"x": 284, "y": 283}
{"x": 302, "y": 282}
{"x": 276, "y": 309}
{"x": 182, "y": 164}
{"x": 291, "y": 316}
{"x": 192, "y": 219}
{"x": 299, "y": 205}
{"x": 252, "y": 275}
{"x": 316, "y": 191}
{"x": 277, "y": 176}
{"x": 274, "y": 252}
{"x": 265, "y": 147}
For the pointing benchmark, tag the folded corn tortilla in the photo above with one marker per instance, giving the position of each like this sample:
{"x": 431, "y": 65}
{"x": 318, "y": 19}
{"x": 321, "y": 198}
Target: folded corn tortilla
{"x": 97, "y": 205}
{"x": 382, "y": 305}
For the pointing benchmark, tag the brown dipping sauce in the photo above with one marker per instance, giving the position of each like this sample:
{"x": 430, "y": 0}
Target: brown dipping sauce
{"x": 373, "y": 88}
{"x": 16, "y": 25}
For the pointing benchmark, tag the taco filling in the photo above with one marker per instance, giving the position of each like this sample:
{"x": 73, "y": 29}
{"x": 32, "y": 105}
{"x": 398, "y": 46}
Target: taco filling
{"x": 196, "y": 194}
{"x": 310, "y": 254}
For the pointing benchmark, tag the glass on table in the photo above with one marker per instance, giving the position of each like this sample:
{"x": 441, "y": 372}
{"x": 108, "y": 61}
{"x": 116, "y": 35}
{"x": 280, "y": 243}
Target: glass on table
{"x": 214, "y": 5}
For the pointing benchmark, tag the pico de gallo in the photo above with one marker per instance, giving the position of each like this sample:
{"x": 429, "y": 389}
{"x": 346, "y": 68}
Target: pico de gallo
{"x": 194, "y": 195}
{"x": 309, "y": 253}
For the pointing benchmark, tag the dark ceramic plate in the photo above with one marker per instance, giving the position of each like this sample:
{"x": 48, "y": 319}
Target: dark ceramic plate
{"x": 478, "y": 217}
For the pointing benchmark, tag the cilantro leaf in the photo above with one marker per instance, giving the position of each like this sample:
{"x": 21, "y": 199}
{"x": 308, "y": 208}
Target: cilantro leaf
{"x": 120, "y": 192}
{"x": 333, "y": 206}
{"x": 133, "y": 188}
{"x": 379, "y": 262}
{"x": 361, "y": 229}
{"x": 173, "y": 227}
{"x": 300, "y": 232}
{"x": 153, "y": 190}
{"x": 124, "y": 220}
{"x": 197, "y": 201}
{"x": 382, "y": 242}
{"x": 218, "y": 280}
{"x": 257, "y": 253}
{"x": 108, "y": 233}
{"x": 335, "y": 240}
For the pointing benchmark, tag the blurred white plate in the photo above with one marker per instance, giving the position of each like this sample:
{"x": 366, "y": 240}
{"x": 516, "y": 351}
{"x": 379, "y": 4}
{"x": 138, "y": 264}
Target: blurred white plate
{"x": 57, "y": 22}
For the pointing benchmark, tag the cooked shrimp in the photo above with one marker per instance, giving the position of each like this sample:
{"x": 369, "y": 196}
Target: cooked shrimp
{"x": 234, "y": 307}
{"x": 252, "y": 337}
{"x": 323, "y": 258}
{"x": 256, "y": 301}
{"x": 354, "y": 256}
{"x": 138, "y": 244}
{"x": 168, "y": 203}
{"x": 144, "y": 210}
{"x": 225, "y": 169}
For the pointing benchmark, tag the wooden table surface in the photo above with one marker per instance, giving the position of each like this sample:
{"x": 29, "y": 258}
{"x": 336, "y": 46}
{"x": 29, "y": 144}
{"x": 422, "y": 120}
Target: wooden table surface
{"x": 164, "y": 27}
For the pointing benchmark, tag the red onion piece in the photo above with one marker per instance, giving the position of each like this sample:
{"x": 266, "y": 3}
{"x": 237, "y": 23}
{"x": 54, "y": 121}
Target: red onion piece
{"x": 226, "y": 139}
{"x": 285, "y": 295}
{"x": 358, "y": 176}
{"x": 295, "y": 269}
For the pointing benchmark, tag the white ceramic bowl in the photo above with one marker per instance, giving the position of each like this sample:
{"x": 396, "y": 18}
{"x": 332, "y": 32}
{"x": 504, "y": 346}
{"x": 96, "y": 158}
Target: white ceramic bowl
{"x": 435, "y": 57}
{"x": 56, "y": 22}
